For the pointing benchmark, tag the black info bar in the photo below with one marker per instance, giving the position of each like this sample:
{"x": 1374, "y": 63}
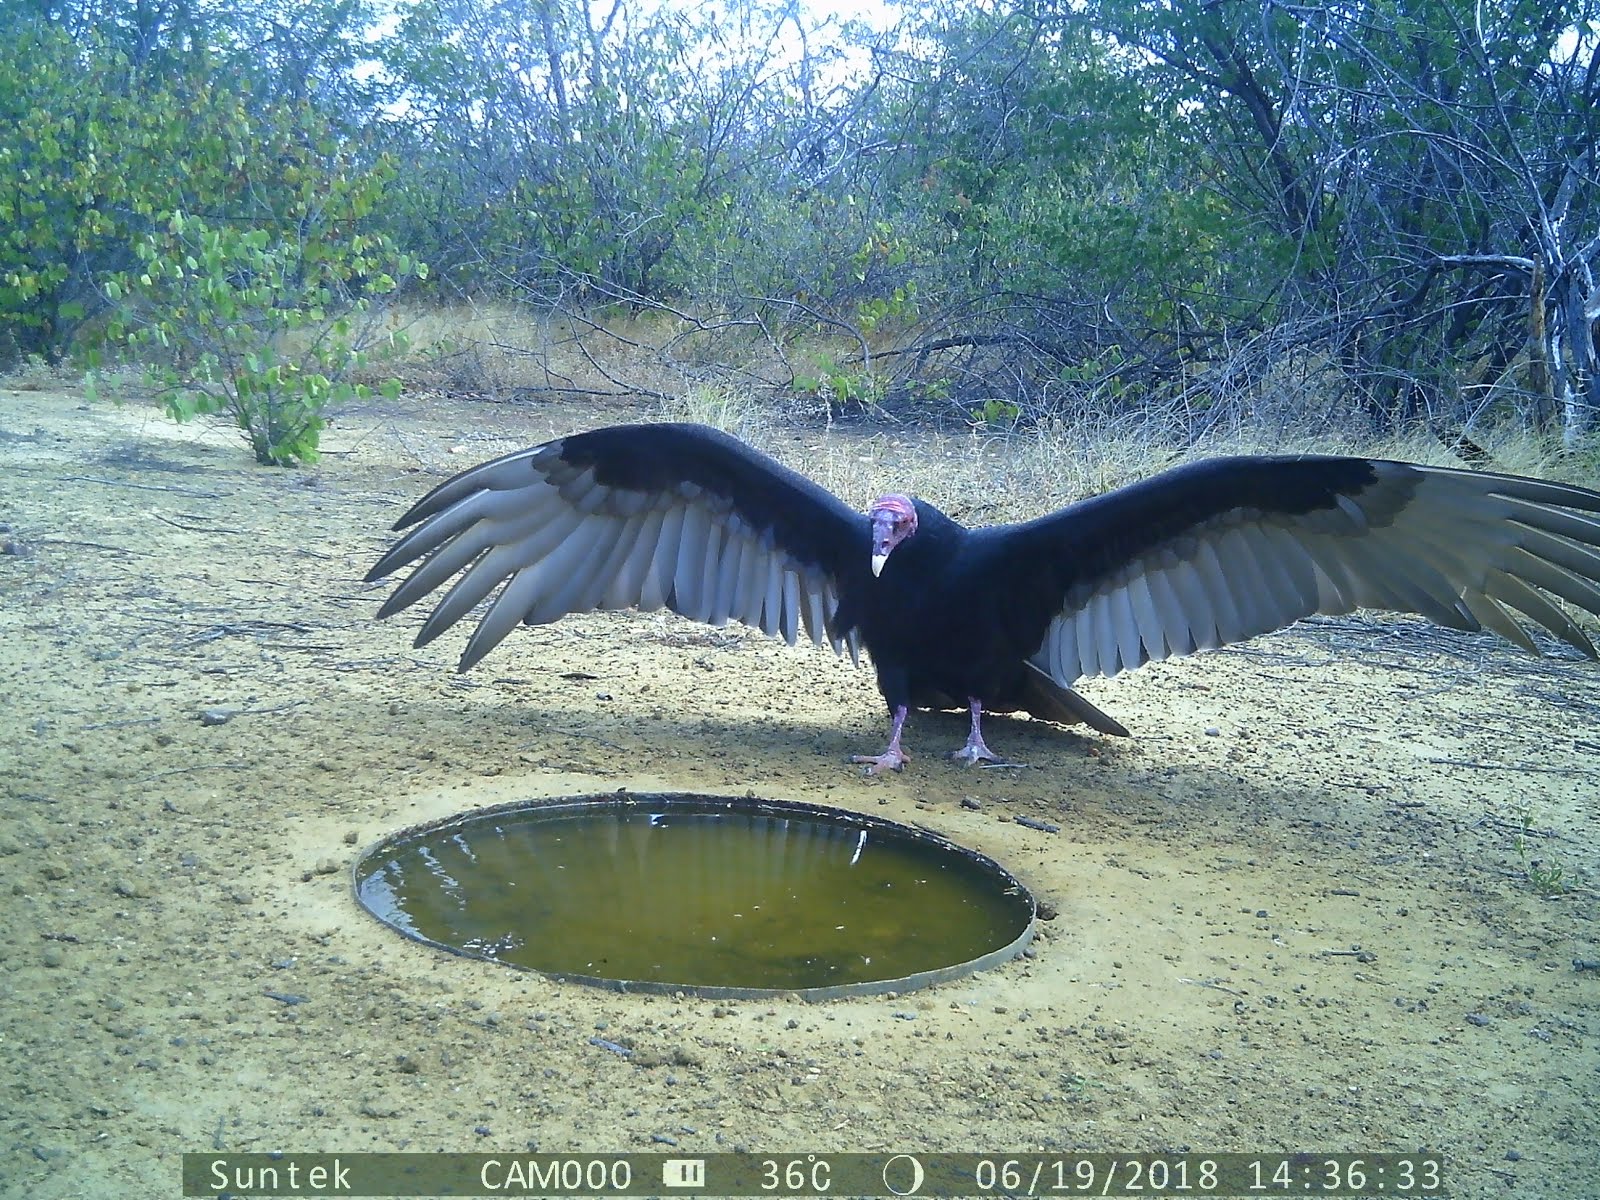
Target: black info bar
{"x": 815, "y": 1174}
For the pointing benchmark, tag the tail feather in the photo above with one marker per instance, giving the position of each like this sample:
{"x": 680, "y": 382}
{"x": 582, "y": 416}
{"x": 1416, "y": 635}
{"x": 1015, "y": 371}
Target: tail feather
{"x": 1049, "y": 701}
{"x": 1040, "y": 697}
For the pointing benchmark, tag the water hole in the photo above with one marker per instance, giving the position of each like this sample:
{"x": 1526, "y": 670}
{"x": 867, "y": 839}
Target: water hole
{"x": 713, "y": 896}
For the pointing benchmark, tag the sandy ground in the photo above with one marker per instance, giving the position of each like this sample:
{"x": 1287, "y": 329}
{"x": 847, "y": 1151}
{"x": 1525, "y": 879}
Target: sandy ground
{"x": 1344, "y": 785}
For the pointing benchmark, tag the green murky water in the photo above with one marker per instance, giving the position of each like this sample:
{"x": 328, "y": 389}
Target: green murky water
{"x": 696, "y": 893}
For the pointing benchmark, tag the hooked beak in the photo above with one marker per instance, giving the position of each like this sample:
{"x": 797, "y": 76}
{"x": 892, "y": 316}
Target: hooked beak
{"x": 885, "y": 537}
{"x": 894, "y": 518}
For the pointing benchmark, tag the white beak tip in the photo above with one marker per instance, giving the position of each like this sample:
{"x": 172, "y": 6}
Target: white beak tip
{"x": 877, "y": 563}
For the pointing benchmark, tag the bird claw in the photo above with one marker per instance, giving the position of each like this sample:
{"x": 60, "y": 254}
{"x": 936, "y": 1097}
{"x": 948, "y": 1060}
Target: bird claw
{"x": 889, "y": 760}
{"x": 970, "y": 755}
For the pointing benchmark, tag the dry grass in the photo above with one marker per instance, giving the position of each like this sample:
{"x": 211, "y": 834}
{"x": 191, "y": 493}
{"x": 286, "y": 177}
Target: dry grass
{"x": 985, "y": 477}
{"x": 730, "y": 409}
{"x": 736, "y": 376}
{"x": 507, "y": 349}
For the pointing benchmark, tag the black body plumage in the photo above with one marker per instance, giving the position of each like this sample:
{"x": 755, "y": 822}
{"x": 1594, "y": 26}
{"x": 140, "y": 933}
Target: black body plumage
{"x": 1005, "y": 617}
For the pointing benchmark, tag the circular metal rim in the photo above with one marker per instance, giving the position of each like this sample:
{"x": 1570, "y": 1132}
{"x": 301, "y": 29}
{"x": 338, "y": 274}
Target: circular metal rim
{"x": 757, "y": 806}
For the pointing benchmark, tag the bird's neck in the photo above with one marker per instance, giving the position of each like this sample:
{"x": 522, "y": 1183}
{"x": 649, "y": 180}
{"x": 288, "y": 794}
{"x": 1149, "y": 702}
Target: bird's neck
{"x": 929, "y": 551}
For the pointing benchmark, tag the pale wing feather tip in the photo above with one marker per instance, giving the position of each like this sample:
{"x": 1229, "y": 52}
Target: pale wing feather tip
{"x": 1461, "y": 551}
{"x": 579, "y": 546}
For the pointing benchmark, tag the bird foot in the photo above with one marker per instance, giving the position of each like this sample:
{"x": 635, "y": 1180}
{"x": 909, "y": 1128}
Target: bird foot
{"x": 892, "y": 759}
{"x": 971, "y": 754}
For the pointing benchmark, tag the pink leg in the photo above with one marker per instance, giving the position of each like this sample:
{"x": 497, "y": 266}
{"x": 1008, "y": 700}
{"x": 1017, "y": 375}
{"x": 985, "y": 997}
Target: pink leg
{"x": 893, "y": 758}
{"x": 975, "y": 751}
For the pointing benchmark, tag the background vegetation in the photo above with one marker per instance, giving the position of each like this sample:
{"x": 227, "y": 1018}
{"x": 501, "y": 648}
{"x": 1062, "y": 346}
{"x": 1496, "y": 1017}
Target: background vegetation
{"x": 1204, "y": 218}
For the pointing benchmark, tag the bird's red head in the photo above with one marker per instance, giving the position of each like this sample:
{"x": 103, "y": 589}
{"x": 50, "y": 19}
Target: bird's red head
{"x": 894, "y": 519}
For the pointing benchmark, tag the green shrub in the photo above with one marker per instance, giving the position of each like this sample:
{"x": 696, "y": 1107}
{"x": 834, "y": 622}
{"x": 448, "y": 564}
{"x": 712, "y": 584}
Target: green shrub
{"x": 265, "y": 327}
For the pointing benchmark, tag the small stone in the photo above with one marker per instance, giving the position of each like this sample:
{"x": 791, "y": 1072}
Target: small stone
{"x": 217, "y": 716}
{"x": 240, "y": 896}
{"x": 55, "y": 871}
{"x": 1475, "y": 1018}
{"x": 351, "y": 837}
{"x": 1213, "y": 731}
{"x": 971, "y": 802}
{"x": 54, "y": 956}
{"x": 326, "y": 866}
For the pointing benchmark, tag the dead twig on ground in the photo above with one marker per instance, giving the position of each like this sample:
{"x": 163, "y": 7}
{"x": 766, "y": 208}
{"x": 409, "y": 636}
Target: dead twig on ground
{"x": 199, "y": 528}
{"x": 143, "y": 487}
{"x": 93, "y": 546}
{"x": 1527, "y": 767}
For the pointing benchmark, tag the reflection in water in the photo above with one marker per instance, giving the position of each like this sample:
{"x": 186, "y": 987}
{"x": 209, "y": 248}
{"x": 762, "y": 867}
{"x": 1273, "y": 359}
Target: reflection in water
{"x": 694, "y": 894}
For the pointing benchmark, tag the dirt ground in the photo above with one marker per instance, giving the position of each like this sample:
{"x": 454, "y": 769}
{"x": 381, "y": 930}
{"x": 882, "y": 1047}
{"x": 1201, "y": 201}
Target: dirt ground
{"x": 1346, "y": 786}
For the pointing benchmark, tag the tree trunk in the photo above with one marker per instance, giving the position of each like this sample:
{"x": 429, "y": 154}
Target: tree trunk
{"x": 1544, "y": 401}
{"x": 1581, "y": 394}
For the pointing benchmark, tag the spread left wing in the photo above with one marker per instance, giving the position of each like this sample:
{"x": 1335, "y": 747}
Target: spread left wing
{"x": 1226, "y": 549}
{"x": 632, "y": 516}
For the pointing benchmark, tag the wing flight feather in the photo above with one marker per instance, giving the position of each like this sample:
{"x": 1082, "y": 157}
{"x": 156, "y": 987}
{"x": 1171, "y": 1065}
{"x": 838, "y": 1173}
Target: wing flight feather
{"x": 645, "y": 517}
{"x": 1232, "y": 548}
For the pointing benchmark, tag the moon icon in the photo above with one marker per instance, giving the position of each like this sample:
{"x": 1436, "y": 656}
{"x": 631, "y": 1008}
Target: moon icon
{"x": 903, "y": 1175}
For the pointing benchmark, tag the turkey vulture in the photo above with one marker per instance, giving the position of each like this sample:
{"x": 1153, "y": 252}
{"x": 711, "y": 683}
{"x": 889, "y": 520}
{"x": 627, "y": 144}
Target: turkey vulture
{"x": 1003, "y": 618}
